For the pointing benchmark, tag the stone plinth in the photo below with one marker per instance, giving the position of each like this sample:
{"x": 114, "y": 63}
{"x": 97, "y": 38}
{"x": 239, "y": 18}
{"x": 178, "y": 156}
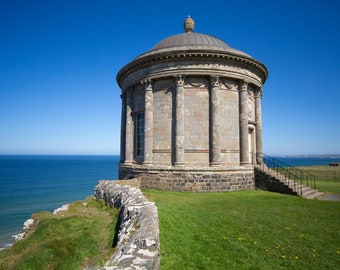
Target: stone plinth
{"x": 199, "y": 179}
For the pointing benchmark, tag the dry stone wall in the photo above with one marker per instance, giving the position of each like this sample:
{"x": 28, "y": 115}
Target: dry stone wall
{"x": 138, "y": 237}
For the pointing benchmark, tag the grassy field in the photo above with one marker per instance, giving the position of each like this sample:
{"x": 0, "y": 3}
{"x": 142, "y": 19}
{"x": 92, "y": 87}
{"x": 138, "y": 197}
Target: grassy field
{"x": 67, "y": 240}
{"x": 233, "y": 230}
{"x": 327, "y": 177}
{"x": 247, "y": 230}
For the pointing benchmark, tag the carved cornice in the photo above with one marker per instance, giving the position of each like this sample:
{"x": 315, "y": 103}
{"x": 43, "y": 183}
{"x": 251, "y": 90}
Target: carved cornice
{"x": 160, "y": 70}
{"x": 169, "y": 58}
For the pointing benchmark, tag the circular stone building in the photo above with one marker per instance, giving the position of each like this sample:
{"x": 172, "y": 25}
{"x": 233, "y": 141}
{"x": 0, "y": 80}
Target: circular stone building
{"x": 191, "y": 115}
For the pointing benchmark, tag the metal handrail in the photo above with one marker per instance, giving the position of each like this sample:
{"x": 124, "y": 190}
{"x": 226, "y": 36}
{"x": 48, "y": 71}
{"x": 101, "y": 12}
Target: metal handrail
{"x": 292, "y": 176}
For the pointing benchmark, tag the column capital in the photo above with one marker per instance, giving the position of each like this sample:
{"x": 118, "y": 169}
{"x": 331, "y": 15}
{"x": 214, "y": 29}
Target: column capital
{"x": 147, "y": 84}
{"x": 179, "y": 79}
{"x": 258, "y": 93}
{"x": 243, "y": 85}
{"x": 215, "y": 81}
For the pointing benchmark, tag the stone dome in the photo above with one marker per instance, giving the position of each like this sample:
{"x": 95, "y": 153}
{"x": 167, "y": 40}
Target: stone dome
{"x": 190, "y": 39}
{"x": 192, "y": 52}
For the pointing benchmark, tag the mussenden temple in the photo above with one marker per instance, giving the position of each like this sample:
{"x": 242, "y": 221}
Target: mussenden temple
{"x": 191, "y": 121}
{"x": 191, "y": 115}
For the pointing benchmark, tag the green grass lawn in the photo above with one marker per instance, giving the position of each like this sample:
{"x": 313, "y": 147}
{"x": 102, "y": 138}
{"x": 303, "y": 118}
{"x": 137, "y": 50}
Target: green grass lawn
{"x": 67, "y": 240}
{"x": 328, "y": 186}
{"x": 247, "y": 230}
{"x": 327, "y": 177}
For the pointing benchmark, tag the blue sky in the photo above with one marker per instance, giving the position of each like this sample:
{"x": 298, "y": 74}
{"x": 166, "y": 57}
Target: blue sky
{"x": 59, "y": 60}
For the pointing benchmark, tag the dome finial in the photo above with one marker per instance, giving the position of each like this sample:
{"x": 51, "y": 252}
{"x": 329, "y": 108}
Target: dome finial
{"x": 189, "y": 25}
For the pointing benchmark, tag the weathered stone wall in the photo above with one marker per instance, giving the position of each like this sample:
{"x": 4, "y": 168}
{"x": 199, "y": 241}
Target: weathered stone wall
{"x": 189, "y": 179}
{"x": 229, "y": 122}
{"x": 163, "y": 114}
{"x": 196, "y": 121}
{"x": 138, "y": 238}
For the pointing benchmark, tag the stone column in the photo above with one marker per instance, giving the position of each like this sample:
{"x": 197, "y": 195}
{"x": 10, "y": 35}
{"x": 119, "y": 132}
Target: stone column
{"x": 179, "y": 127}
{"x": 244, "y": 143}
{"x": 129, "y": 129}
{"x": 148, "y": 125}
{"x": 122, "y": 128}
{"x": 258, "y": 119}
{"x": 215, "y": 142}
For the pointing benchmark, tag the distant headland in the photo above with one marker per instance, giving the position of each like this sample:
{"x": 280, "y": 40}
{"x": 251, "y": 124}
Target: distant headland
{"x": 310, "y": 156}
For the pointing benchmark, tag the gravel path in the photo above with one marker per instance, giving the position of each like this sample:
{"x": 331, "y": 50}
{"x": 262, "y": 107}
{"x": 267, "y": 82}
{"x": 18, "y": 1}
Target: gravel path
{"x": 330, "y": 197}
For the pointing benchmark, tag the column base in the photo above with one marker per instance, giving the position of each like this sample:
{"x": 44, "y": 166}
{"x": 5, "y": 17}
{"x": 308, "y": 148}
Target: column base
{"x": 215, "y": 164}
{"x": 147, "y": 163}
{"x": 246, "y": 164}
{"x": 179, "y": 164}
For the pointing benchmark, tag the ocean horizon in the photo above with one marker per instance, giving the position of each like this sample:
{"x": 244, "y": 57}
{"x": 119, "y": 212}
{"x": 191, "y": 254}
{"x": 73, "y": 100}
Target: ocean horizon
{"x": 35, "y": 183}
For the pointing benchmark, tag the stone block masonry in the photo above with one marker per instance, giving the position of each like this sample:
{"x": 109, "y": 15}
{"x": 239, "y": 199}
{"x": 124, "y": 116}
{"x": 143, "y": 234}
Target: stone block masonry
{"x": 199, "y": 179}
{"x": 138, "y": 237}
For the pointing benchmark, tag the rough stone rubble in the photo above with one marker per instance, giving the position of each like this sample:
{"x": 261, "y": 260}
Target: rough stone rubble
{"x": 138, "y": 236}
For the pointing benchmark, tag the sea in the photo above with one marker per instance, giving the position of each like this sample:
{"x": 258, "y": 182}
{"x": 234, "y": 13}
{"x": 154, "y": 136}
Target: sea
{"x": 34, "y": 183}
{"x": 30, "y": 183}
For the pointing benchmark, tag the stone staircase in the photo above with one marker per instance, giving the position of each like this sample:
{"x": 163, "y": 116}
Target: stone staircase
{"x": 279, "y": 182}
